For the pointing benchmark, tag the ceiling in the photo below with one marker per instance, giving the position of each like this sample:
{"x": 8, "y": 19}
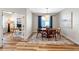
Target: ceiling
{"x": 46, "y": 10}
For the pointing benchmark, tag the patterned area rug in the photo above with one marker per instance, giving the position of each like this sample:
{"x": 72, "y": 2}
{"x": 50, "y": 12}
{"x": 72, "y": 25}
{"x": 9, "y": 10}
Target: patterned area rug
{"x": 39, "y": 40}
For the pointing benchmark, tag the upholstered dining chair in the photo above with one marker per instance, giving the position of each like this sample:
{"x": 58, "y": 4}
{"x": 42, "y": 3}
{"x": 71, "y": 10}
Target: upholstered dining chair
{"x": 55, "y": 33}
{"x": 52, "y": 34}
{"x": 44, "y": 34}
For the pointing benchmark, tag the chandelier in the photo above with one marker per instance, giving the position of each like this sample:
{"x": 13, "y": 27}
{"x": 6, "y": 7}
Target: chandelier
{"x": 47, "y": 16}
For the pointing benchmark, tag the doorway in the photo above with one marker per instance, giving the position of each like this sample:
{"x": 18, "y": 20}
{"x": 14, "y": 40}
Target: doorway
{"x": 13, "y": 27}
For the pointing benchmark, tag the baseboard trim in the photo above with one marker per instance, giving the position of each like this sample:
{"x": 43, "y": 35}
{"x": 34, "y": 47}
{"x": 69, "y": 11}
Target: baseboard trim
{"x": 69, "y": 39}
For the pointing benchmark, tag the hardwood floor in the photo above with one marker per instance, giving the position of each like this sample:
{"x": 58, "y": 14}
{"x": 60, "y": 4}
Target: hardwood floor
{"x": 24, "y": 46}
{"x": 17, "y": 45}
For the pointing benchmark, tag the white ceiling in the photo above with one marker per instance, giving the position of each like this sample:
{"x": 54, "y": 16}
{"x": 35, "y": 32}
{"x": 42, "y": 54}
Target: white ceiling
{"x": 46, "y": 10}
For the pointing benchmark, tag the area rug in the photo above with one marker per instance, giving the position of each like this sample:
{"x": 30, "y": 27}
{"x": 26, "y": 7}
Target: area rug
{"x": 58, "y": 41}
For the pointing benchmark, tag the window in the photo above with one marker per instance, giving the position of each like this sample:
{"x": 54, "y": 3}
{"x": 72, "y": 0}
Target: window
{"x": 45, "y": 21}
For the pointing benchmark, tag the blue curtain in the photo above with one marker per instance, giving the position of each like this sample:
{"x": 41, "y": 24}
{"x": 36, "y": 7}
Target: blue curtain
{"x": 39, "y": 22}
{"x": 51, "y": 21}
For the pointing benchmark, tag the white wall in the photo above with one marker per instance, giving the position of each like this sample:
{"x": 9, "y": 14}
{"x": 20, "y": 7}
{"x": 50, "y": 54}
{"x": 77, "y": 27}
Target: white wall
{"x": 55, "y": 21}
{"x": 72, "y": 33}
{"x": 35, "y": 21}
{"x": 28, "y": 23}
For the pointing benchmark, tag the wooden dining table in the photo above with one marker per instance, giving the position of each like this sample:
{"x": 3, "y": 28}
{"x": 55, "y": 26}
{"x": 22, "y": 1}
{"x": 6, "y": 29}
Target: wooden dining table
{"x": 50, "y": 31}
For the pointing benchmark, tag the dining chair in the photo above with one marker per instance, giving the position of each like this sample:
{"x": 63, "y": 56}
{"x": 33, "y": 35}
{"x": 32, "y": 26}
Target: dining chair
{"x": 52, "y": 34}
{"x": 44, "y": 34}
{"x": 16, "y": 33}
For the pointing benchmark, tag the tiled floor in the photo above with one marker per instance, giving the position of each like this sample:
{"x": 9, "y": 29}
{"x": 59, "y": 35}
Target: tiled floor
{"x": 34, "y": 44}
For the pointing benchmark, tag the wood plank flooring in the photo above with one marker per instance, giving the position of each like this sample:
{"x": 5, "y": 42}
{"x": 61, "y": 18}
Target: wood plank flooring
{"x": 17, "y": 45}
{"x": 24, "y": 46}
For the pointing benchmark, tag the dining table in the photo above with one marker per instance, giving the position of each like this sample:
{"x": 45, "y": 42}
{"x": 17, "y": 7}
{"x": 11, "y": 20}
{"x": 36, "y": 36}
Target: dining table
{"x": 50, "y": 31}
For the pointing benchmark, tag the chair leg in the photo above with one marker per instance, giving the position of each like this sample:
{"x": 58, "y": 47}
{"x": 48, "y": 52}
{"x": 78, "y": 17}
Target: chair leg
{"x": 55, "y": 38}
